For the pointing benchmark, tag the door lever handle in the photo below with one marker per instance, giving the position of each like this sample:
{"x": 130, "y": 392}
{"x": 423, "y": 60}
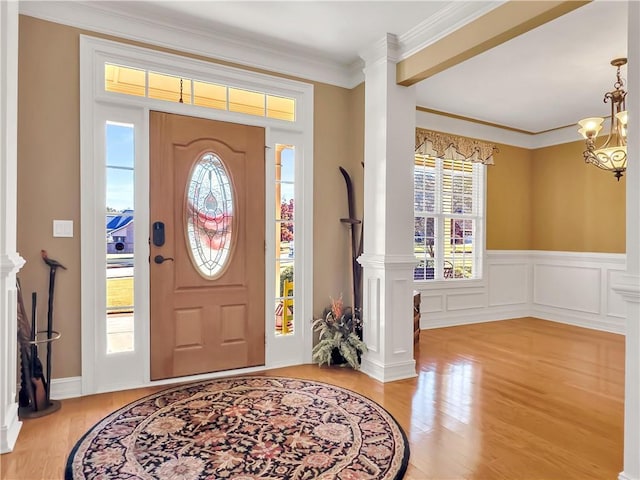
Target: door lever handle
{"x": 160, "y": 259}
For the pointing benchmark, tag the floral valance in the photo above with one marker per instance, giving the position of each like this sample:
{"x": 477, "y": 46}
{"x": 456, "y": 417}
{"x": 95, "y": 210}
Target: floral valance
{"x": 441, "y": 145}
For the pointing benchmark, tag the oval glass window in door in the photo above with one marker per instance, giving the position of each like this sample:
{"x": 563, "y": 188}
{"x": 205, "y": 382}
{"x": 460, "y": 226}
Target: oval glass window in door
{"x": 209, "y": 215}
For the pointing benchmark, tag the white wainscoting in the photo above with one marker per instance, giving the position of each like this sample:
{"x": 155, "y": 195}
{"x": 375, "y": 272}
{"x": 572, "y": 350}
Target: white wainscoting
{"x": 576, "y": 288}
{"x": 566, "y": 287}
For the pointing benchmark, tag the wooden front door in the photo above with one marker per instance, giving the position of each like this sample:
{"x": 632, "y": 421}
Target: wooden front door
{"x": 207, "y": 222}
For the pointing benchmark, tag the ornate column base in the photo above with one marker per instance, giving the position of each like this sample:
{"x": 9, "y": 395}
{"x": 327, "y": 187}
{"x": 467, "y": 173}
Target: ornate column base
{"x": 9, "y": 423}
{"x": 629, "y": 288}
{"x": 388, "y": 316}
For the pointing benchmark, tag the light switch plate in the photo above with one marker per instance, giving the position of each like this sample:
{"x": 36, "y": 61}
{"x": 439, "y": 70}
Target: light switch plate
{"x": 63, "y": 228}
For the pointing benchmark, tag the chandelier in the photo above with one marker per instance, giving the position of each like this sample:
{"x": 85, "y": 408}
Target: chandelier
{"x": 612, "y": 155}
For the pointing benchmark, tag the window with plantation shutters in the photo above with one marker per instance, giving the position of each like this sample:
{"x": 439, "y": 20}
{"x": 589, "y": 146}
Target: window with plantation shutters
{"x": 449, "y": 218}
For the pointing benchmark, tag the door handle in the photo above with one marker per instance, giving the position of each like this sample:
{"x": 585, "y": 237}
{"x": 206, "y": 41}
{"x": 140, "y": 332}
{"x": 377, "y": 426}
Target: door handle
{"x": 160, "y": 259}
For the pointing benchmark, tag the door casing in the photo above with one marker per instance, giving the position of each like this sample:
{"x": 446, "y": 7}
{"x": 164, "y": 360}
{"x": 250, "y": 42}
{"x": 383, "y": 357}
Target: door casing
{"x": 100, "y": 373}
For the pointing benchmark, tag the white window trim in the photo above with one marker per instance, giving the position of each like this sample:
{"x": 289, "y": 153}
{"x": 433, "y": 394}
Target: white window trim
{"x": 94, "y": 102}
{"x": 480, "y": 187}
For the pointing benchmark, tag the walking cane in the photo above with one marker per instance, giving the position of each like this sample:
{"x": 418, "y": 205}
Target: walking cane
{"x": 53, "y": 266}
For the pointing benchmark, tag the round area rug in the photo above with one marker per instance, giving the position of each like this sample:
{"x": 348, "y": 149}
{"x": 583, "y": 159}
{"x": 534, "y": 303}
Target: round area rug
{"x": 244, "y": 428}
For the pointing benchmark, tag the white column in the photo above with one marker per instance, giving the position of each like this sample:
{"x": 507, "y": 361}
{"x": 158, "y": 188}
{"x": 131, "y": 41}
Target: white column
{"x": 629, "y": 285}
{"x": 388, "y": 258}
{"x": 10, "y": 261}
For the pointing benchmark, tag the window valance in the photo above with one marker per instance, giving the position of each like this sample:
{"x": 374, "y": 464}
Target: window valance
{"x": 441, "y": 145}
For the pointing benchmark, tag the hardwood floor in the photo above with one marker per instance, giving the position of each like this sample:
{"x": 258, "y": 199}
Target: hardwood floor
{"x": 522, "y": 399}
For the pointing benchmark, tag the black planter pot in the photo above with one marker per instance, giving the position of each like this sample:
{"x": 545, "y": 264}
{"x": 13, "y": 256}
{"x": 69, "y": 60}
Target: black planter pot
{"x": 337, "y": 358}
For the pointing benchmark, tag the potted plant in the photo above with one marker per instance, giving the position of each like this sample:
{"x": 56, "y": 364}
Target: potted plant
{"x": 340, "y": 338}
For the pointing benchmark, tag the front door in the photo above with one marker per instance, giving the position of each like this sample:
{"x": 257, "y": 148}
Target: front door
{"x": 207, "y": 245}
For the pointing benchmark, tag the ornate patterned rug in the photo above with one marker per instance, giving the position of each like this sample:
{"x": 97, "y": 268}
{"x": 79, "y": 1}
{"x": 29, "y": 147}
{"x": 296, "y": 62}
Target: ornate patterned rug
{"x": 244, "y": 428}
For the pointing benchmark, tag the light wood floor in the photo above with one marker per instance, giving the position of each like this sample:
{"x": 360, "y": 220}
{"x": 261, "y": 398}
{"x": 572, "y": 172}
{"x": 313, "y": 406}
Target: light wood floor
{"x": 522, "y": 399}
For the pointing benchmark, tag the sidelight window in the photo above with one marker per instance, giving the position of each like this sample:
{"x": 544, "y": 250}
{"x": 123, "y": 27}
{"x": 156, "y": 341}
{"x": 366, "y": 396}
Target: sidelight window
{"x": 284, "y": 241}
{"x": 119, "y": 219}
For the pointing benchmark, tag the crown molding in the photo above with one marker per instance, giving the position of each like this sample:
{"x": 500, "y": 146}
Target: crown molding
{"x": 385, "y": 49}
{"x": 468, "y": 127}
{"x": 445, "y": 21}
{"x": 100, "y": 18}
{"x": 448, "y": 19}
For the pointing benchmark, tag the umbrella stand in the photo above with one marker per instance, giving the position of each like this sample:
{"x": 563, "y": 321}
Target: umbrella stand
{"x": 38, "y": 338}
{"x": 34, "y": 402}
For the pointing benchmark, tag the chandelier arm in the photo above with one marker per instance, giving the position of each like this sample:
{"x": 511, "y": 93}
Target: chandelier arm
{"x": 612, "y": 119}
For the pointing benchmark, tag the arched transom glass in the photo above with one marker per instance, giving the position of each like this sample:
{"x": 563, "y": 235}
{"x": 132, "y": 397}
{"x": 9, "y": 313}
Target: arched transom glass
{"x": 209, "y": 215}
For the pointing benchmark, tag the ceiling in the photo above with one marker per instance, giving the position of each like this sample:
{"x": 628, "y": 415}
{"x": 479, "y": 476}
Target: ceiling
{"x": 547, "y": 78}
{"x": 544, "y": 79}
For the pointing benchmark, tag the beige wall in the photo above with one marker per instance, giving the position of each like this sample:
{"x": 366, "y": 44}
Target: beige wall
{"x": 545, "y": 199}
{"x": 576, "y": 207}
{"x": 49, "y": 178}
{"x": 332, "y": 133}
{"x": 509, "y": 199}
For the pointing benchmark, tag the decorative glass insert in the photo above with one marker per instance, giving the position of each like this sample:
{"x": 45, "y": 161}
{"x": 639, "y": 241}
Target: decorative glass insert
{"x": 120, "y": 155}
{"x": 209, "y": 215}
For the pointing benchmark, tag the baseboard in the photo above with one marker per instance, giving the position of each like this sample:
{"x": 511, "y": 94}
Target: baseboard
{"x": 69, "y": 387}
{"x": 388, "y": 373}
{"x": 429, "y": 320}
{"x": 615, "y": 325}
{"x": 624, "y": 476}
{"x": 9, "y": 433}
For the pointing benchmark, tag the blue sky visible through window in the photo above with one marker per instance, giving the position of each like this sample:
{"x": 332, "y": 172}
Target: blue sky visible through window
{"x": 120, "y": 161}
{"x": 287, "y": 158}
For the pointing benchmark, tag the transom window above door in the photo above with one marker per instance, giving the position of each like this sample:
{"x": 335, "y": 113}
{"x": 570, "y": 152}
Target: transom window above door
{"x": 129, "y": 80}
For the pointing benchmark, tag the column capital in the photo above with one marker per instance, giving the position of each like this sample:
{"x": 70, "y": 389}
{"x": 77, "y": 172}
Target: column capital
{"x": 386, "y": 49}
{"x": 387, "y": 262}
{"x": 10, "y": 264}
{"x": 628, "y": 287}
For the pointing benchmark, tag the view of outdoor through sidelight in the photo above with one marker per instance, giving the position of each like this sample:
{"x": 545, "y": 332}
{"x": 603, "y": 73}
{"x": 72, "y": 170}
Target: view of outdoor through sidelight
{"x": 120, "y": 154}
{"x": 284, "y": 241}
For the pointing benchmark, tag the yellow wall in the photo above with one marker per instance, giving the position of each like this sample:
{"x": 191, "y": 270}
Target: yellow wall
{"x": 576, "y": 207}
{"x": 549, "y": 199}
{"x": 49, "y": 178}
{"x": 509, "y": 199}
